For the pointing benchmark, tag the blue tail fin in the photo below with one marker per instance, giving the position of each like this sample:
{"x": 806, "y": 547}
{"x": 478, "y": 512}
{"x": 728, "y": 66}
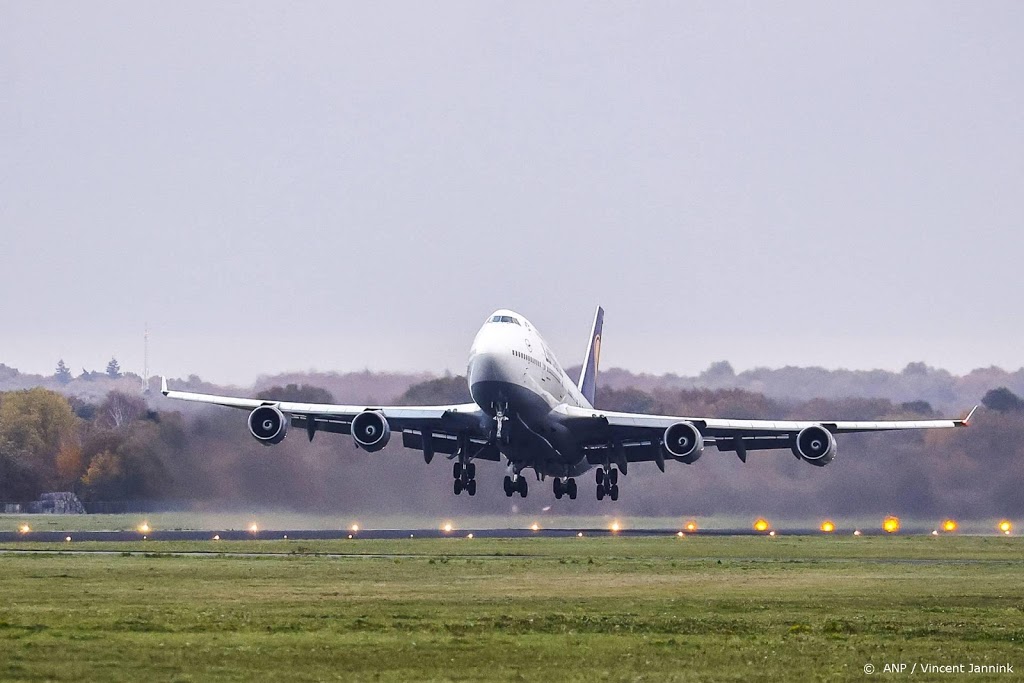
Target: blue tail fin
{"x": 588, "y": 375}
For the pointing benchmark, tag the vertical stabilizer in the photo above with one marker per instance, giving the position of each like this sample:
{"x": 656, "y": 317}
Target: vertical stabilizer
{"x": 588, "y": 375}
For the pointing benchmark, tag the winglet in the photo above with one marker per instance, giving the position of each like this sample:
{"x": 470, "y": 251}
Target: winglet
{"x": 163, "y": 386}
{"x": 966, "y": 422}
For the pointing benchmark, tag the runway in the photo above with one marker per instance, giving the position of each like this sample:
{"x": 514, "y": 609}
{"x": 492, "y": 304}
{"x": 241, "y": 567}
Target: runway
{"x": 394, "y": 534}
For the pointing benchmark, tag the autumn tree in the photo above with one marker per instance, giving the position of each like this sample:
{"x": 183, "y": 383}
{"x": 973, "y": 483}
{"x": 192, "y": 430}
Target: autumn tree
{"x": 119, "y": 408}
{"x": 440, "y": 391}
{"x": 1003, "y": 400}
{"x": 35, "y": 426}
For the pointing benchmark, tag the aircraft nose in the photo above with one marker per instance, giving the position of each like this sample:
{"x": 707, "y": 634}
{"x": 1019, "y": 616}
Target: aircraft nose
{"x": 485, "y": 366}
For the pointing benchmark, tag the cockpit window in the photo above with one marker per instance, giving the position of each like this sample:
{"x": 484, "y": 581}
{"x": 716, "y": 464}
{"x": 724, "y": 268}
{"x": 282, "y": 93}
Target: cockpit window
{"x": 504, "y": 319}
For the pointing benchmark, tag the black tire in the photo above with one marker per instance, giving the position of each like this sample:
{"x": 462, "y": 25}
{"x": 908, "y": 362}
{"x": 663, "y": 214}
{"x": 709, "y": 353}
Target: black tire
{"x": 524, "y": 488}
{"x": 457, "y": 470}
{"x": 615, "y": 492}
{"x": 615, "y": 476}
{"x": 600, "y": 476}
{"x": 507, "y": 484}
{"x": 471, "y": 487}
{"x": 572, "y": 489}
{"x": 558, "y": 494}
{"x": 471, "y": 470}
{"x": 556, "y": 487}
{"x": 600, "y": 491}
{"x": 458, "y": 486}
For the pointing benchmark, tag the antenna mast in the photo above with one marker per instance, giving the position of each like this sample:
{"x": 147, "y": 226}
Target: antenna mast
{"x": 145, "y": 360}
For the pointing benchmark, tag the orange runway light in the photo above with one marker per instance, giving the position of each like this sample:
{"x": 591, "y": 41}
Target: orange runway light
{"x": 949, "y": 525}
{"x": 535, "y": 527}
{"x": 891, "y": 524}
{"x": 761, "y": 524}
{"x": 24, "y": 528}
{"x": 355, "y": 528}
{"x": 254, "y": 527}
{"x": 447, "y": 528}
{"x": 691, "y": 526}
{"x": 827, "y": 526}
{"x": 144, "y": 528}
{"x": 615, "y": 527}
{"x": 1005, "y": 526}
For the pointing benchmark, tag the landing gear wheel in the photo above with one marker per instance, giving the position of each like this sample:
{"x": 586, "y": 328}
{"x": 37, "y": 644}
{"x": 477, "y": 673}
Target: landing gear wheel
{"x": 600, "y": 491}
{"x": 471, "y": 487}
{"x": 522, "y": 486}
{"x": 614, "y": 474}
{"x": 571, "y": 489}
{"x": 458, "y": 486}
{"x": 615, "y": 492}
{"x": 471, "y": 470}
{"x": 508, "y": 486}
{"x": 600, "y": 475}
{"x": 457, "y": 470}
{"x": 556, "y": 485}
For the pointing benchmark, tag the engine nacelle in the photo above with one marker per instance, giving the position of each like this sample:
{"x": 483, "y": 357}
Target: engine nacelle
{"x": 371, "y": 430}
{"x": 268, "y": 425}
{"x": 684, "y": 442}
{"x": 815, "y": 445}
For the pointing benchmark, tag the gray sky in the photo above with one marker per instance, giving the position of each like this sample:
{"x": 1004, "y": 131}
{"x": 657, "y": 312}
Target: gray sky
{"x": 337, "y": 186}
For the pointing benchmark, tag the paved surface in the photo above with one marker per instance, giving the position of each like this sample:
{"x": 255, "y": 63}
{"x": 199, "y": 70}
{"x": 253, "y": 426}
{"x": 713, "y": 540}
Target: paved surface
{"x": 331, "y": 534}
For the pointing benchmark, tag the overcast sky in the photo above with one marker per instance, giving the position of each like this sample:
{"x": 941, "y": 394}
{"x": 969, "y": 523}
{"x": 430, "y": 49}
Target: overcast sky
{"x": 338, "y": 186}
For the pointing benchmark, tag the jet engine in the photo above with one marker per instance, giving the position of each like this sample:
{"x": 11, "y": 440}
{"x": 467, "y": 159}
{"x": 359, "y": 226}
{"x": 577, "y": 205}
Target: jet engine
{"x": 268, "y": 425}
{"x": 371, "y": 430}
{"x": 815, "y": 445}
{"x": 684, "y": 442}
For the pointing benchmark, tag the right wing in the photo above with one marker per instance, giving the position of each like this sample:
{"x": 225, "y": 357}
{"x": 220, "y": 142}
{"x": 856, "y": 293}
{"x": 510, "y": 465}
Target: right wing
{"x": 432, "y": 429}
{"x": 616, "y": 437}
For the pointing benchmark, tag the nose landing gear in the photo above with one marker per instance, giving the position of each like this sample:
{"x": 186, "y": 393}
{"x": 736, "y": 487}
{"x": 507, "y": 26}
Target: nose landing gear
{"x": 607, "y": 483}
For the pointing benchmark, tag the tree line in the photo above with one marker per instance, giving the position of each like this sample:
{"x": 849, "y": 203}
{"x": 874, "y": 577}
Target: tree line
{"x": 121, "y": 448}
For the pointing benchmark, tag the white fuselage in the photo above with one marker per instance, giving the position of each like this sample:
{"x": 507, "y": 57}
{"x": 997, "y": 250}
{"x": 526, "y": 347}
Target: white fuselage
{"x": 512, "y": 371}
{"x": 514, "y": 357}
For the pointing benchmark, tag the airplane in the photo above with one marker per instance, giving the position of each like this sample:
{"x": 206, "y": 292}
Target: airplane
{"x": 527, "y": 411}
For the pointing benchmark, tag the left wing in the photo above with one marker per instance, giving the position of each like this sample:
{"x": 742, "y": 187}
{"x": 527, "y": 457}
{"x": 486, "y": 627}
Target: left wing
{"x": 613, "y": 437}
{"x": 432, "y": 429}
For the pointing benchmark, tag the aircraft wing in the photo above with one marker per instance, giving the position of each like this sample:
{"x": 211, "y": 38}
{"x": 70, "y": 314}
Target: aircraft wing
{"x": 436, "y": 427}
{"x": 626, "y": 437}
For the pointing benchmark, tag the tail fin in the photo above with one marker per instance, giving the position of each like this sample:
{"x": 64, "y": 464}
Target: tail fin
{"x": 588, "y": 375}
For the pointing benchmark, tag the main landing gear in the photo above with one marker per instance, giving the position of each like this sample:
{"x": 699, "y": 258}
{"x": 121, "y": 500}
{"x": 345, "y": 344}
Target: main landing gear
{"x": 568, "y": 486}
{"x": 607, "y": 483}
{"x": 516, "y": 484}
{"x": 465, "y": 478}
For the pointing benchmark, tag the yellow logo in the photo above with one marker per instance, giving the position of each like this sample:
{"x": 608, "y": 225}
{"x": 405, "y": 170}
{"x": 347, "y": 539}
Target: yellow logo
{"x": 597, "y": 350}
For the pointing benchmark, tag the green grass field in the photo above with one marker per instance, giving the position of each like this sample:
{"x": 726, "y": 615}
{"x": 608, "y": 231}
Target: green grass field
{"x": 651, "y": 609}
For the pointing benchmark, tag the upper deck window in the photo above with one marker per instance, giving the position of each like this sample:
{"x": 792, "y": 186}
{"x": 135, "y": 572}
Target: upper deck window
{"x": 504, "y": 319}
